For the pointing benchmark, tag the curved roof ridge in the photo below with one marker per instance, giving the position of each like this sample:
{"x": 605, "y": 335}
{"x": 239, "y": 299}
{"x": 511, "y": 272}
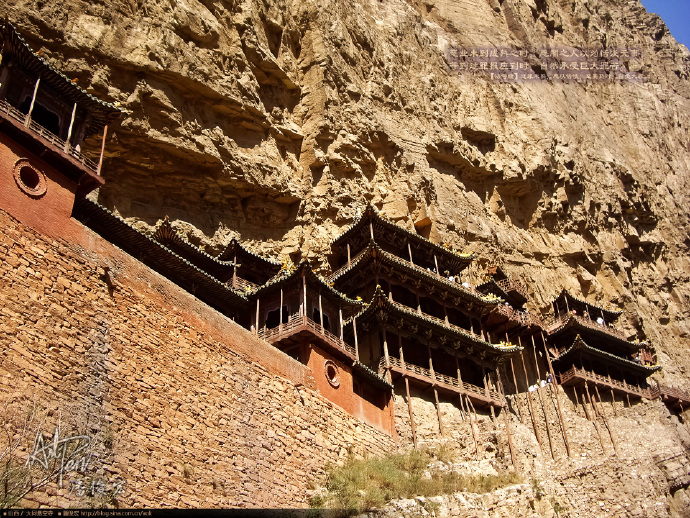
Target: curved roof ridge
{"x": 381, "y": 297}
{"x": 234, "y": 242}
{"x": 6, "y": 28}
{"x": 371, "y": 212}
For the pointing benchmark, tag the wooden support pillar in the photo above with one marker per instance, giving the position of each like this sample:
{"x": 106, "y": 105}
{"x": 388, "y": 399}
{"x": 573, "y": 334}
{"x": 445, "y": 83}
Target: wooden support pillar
{"x": 486, "y": 382}
{"x": 419, "y": 304}
{"x": 613, "y": 403}
{"x": 320, "y": 311}
{"x": 594, "y": 410}
{"x": 627, "y": 396}
{"x": 256, "y": 322}
{"x": 280, "y": 312}
{"x": 438, "y": 411}
{"x": 536, "y": 362}
{"x": 436, "y": 263}
{"x": 69, "y": 131}
{"x": 510, "y": 438}
{"x": 605, "y": 420}
{"x": 433, "y": 377}
{"x": 349, "y": 256}
{"x": 554, "y": 382}
{"x": 371, "y": 229}
{"x": 529, "y": 402}
{"x": 340, "y": 319}
{"x": 517, "y": 390}
{"x": 577, "y": 400}
{"x": 409, "y": 408}
{"x": 546, "y": 420}
{"x": 409, "y": 251}
{"x": 387, "y": 358}
{"x": 463, "y": 412}
{"x": 27, "y": 120}
{"x": 473, "y": 425}
{"x": 354, "y": 330}
{"x": 304, "y": 294}
{"x": 100, "y": 160}
{"x": 234, "y": 272}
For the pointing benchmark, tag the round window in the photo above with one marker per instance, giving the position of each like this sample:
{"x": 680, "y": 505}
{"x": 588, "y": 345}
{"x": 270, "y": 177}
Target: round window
{"x": 332, "y": 373}
{"x": 29, "y": 179}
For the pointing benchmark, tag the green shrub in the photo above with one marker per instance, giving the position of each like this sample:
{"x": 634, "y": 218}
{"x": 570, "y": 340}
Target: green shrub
{"x": 365, "y": 484}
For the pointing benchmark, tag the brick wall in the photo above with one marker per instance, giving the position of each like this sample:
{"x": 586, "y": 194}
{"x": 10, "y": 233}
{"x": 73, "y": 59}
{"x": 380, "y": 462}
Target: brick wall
{"x": 182, "y": 406}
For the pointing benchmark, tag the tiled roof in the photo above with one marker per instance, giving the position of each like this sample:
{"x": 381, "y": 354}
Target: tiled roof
{"x": 373, "y": 215}
{"x": 159, "y": 257}
{"x": 102, "y": 112}
{"x": 580, "y": 345}
{"x": 375, "y": 253}
{"x": 285, "y": 277}
{"x": 609, "y": 314}
{"x": 573, "y": 321}
{"x": 381, "y": 303}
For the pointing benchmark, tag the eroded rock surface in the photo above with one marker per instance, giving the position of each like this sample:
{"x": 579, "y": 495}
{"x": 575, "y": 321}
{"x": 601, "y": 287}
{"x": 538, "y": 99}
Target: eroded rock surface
{"x": 278, "y": 120}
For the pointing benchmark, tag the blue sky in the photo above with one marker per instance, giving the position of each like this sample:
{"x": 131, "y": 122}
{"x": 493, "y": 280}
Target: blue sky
{"x": 676, "y": 15}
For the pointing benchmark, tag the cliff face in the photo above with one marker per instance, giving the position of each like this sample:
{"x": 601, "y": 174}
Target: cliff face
{"x": 277, "y": 120}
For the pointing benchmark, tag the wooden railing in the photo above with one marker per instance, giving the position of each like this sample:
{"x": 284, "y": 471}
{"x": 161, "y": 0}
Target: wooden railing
{"x": 525, "y": 319}
{"x": 301, "y": 323}
{"x": 586, "y": 322}
{"x": 666, "y": 391}
{"x": 440, "y": 321}
{"x": 39, "y": 130}
{"x": 243, "y": 285}
{"x": 509, "y": 285}
{"x": 464, "y": 387}
{"x": 575, "y": 372}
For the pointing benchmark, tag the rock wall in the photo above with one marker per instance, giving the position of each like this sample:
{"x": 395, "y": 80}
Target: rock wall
{"x": 277, "y": 120}
{"x": 179, "y": 405}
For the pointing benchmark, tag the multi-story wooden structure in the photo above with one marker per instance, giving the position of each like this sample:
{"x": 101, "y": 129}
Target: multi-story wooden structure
{"x": 48, "y": 105}
{"x": 591, "y": 352}
{"x": 422, "y": 325}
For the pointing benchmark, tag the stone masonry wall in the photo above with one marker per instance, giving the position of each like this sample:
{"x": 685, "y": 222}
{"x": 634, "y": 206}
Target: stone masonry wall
{"x": 180, "y": 406}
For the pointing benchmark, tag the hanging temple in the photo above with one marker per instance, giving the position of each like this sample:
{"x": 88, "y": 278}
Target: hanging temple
{"x": 393, "y": 313}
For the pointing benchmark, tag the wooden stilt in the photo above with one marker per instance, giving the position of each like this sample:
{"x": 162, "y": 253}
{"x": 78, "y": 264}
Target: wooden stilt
{"x": 554, "y": 383}
{"x": 517, "y": 390}
{"x": 100, "y": 160}
{"x": 577, "y": 399}
{"x": 69, "y": 131}
{"x": 493, "y": 417}
{"x": 387, "y": 358}
{"x": 462, "y": 403}
{"x": 349, "y": 258}
{"x": 320, "y": 311}
{"x": 409, "y": 408}
{"x": 529, "y": 402}
{"x": 438, "y": 411}
{"x": 548, "y": 426}
{"x": 256, "y": 329}
{"x": 510, "y": 438}
{"x": 474, "y": 425}
{"x": 27, "y": 121}
{"x": 594, "y": 410}
{"x": 603, "y": 418}
{"x": 627, "y": 396}
{"x": 613, "y": 403}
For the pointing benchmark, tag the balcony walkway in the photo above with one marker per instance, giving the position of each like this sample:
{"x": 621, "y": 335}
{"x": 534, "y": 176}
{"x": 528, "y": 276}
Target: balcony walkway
{"x": 297, "y": 325}
{"x": 576, "y": 376}
{"x": 478, "y": 395}
{"x": 13, "y": 113}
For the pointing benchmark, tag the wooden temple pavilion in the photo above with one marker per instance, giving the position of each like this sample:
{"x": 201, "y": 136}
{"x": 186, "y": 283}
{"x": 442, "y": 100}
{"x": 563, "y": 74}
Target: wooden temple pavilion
{"x": 588, "y": 350}
{"x": 53, "y": 111}
{"x": 164, "y": 260}
{"x": 304, "y": 316}
{"x": 422, "y": 325}
{"x": 236, "y": 266}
